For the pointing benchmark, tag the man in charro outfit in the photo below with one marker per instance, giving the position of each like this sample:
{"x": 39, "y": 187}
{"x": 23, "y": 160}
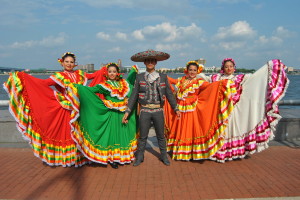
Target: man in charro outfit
{"x": 150, "y": 90}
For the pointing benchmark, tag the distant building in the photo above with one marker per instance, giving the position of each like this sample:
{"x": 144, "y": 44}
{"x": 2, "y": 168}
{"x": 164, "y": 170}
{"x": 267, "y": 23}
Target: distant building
{"x": 201, "y": 61}
{"x": 165, "y": 69}
{"x": 87, "y": 67}
{"x": 290, "y": 69}
{"x": 296, "y": 70}
{"x": 90, "y": 67}
{"x": 127, "y": 68}
{"x": 119, "y": 63}
{"x": 213, "y": 68}
{"x": 141, "y": 69}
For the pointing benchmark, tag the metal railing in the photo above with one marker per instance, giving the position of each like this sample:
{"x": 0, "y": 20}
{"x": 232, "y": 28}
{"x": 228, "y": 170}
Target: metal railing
{"x": 289, "y": 102}
{"x": 281, "y": 103}
{"x": 4, "y": 102}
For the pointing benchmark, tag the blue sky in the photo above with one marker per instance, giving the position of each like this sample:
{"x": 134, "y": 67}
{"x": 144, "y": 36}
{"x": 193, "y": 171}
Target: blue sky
{"x": 34, "y": 33}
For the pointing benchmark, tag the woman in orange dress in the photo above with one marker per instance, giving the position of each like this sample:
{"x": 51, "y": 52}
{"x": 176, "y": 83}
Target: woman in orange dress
{"x": 205, "y": 108}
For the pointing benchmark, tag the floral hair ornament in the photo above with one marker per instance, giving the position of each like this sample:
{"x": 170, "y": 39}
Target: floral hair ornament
{"x": 60, "y": 60}
{"x": 223, "y": 63}
{"x": 193, "y": 62}
{"x": 112, "y": 64}
{"x": 119, "y": 75}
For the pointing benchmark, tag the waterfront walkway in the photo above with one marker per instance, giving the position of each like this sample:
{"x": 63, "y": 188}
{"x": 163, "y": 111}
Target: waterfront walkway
{"x": 272, "y": 173}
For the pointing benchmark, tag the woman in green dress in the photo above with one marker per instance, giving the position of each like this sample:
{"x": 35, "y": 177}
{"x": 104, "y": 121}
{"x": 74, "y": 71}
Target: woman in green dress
{"x": 97, "y": 122}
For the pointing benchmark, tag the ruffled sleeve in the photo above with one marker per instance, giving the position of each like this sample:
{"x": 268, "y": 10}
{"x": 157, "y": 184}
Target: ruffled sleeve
{"x": 132, "y": 75}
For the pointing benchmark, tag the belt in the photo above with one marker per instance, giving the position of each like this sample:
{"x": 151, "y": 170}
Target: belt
{"x": 151, "y": 106}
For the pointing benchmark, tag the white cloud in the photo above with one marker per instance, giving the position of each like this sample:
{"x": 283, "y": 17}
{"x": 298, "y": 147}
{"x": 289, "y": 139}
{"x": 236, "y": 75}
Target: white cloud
{"x": 164, "y": 32}
{"x": 283, "y": 33}
{"x": 26, "y": 44}
{"x": 137, "y": 34}
{"x": 167, "y": 32}
{"x": 103, "y": 36}
{"x": 121, "y": 36}
{"x": 45, "y": 42}
{"x": 232, "y": 45}
{"x": 277, "y": 38}
{"x": 238, "y": 30}
{"x": 169, "y": 47}
{"x": 53, "y": 41}
{"x": 236, "y": 36}
{"x": 273, "y": 40}
{"x": 192, "y": 31}
{"x": 229, "y": 45}
{"x": 112, "y": 37}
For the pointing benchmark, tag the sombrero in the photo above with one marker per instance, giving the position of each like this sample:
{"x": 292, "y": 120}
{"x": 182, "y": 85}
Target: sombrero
{"x": 158, "y": 55}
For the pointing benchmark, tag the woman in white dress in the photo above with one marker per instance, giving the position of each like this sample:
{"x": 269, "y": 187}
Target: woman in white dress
{"x": 255, "y": 115}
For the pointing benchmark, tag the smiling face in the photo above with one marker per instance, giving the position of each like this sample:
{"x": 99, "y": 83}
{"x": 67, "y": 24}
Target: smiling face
{"x": 192, "y": 71}
{"x": 112, "y": 72}
{"x": 228, "y": 68}
{"x": 68, "y": 63}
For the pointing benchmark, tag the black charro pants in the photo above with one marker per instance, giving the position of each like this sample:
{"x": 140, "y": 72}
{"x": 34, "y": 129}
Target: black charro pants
{"x": 145, "y": 120}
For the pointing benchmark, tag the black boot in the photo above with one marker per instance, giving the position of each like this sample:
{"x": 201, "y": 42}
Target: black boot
{"x": 138, "y": 162}
{"x": 139, "y": 159}
{"x": 114, "y": 165}
{"x": 164, "y": 158}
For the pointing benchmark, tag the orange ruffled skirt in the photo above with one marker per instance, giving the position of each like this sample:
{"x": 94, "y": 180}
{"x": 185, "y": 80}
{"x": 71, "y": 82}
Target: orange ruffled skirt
{"x": 198, "y": 134}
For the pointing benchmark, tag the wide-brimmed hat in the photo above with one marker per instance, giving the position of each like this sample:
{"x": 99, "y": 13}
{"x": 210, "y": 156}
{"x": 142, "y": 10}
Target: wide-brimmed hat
{"x": 150, "y": 54}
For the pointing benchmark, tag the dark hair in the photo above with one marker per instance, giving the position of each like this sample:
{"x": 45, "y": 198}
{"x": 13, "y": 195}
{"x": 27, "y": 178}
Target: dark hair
{"x": 119, "y": 76}
{"x": 225, "y": 61}
{"x": 194, "y": 64}
{"x": 68, "y": 55}
{"x": 228, "y": 61}
{"x": 113, "y": 65}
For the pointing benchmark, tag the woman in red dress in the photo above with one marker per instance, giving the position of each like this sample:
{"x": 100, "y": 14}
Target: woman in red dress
{"x": 43, "y": 113}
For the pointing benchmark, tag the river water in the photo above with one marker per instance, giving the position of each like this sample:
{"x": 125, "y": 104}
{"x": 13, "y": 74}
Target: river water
{"x": 293, "y": 91}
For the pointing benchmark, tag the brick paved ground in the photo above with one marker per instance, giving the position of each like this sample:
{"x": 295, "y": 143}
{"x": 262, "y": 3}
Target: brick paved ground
{"x": 274, "y": 172}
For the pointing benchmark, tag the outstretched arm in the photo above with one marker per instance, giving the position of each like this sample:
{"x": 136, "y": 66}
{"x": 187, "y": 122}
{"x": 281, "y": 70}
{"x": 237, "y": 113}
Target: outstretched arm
{"x": 132, "y": 75}
{"x": 204, "y": 77}
{"x": 172, "y": 82}
{"x": 98, "y": 76}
